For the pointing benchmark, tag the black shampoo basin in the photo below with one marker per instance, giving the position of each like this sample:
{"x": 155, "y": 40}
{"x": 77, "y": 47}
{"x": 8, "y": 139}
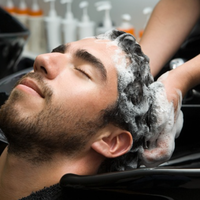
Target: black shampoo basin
{"x": 13, "y": 36}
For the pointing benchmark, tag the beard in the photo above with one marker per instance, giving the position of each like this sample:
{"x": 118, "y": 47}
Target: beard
{"x": 52, "y": 130}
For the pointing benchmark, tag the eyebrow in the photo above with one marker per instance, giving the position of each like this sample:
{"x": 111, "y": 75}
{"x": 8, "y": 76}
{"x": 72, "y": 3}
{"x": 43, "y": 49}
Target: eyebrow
{"x": 61, "y": 48}
{"x": 86, "y": 56}
{"x": 96, "y": 62}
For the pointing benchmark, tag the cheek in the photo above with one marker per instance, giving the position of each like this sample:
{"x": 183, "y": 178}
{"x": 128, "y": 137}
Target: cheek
{"x": 83, "y": 102}
{"x": 83, "y": 96}
{"x": 77, "y": 98}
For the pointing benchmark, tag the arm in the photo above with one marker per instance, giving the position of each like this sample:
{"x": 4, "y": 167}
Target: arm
{"x": 169, "y": 25}
{"x": 182, "y": 78}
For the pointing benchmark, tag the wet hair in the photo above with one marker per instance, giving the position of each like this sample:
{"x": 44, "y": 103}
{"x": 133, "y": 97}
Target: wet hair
{"x": 132, "y": 111}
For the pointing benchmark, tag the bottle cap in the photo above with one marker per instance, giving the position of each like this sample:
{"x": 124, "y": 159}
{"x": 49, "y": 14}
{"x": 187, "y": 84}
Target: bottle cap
{"x": 10, "y": 6}
{"x": 105, "y": 6}
{"x": 52, "y": 11}
{"x": 147, "y": 11}
{"x": 22, "y": 8}
{"x": 84, "y": 5}
{"x": 126, "y": 26}
{"x": 69, "y": 15}
{"x": 35, "y": 9}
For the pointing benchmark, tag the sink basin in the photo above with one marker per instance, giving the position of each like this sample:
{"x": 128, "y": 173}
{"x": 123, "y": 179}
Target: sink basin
{"x": 13, "y": 36}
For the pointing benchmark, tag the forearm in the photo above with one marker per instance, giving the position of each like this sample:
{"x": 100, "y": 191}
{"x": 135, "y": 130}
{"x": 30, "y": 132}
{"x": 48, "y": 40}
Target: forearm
{"x": 169, "y": 25}
{"x": 182, "y": 79}
{"x": 186, "y": 76}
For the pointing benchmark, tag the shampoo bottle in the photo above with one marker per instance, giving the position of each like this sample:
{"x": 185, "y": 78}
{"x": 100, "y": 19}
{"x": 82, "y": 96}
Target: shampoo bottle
{"x": 107, "y": 22}
{"x": 147, "y": 12}
{"x": 53, "y": 27}
{"x": 85, "y": 27}
{"x": 69, "y": 24}
{"x": 10, "y": 7}
{"x": 37, "y": 40}
{"x": 126, "y": 26}
{"x": 22, "y": 13}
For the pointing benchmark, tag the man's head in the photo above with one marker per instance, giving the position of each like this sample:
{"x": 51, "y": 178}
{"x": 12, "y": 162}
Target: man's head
{"x": 133, "y": 108}
{"x": 89, "y": 94}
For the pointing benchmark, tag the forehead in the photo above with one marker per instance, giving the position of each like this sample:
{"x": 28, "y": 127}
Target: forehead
{"x": 96, "y": 44}
{"x": 103, "y": 49}
{"x": 106, "y": 51}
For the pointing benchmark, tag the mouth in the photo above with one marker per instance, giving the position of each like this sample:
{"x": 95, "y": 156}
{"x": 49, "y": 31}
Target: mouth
{"x": 31, "y": 85}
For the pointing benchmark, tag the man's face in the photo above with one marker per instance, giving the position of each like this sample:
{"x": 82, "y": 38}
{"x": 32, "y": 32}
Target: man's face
{"x": 60, "y": 103}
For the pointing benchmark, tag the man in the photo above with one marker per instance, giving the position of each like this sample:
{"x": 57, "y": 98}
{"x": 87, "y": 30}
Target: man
{"x": 88, "y": 107}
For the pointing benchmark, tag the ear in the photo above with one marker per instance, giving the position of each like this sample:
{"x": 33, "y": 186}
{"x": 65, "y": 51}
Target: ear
{"x": 114, "y": 143}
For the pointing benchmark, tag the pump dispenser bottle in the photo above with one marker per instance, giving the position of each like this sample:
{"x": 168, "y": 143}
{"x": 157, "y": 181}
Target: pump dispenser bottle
{"x": 22, "y": 13}
{"x": 85, "y": 27}
{"x": 107, "y": 22}
{"x": 147, "y": 12}
{"x": 37, "y": 40}
{"x": 10, "y": 7}
{"x": 53, "y": 27}
{"x": 126, "y": 26}
{"x": 69, "y": 23}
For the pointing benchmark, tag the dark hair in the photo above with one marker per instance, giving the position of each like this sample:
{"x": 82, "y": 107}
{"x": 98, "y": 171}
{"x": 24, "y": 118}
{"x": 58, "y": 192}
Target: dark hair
{"x": 133, "y": 107}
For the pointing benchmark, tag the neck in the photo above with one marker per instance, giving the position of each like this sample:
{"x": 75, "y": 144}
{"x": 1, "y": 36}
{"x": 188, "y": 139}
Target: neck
{"x": 19, "y": 178}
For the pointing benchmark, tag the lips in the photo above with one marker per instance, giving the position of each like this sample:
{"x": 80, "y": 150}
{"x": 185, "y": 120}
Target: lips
{"x": 31, "y": 84}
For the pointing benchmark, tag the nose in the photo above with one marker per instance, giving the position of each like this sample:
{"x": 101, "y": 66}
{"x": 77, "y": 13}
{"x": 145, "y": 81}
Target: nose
{"x": 50, "y": 64}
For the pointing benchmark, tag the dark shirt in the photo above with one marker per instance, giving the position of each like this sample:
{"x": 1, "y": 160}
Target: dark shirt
{"x": 50, "y": 193}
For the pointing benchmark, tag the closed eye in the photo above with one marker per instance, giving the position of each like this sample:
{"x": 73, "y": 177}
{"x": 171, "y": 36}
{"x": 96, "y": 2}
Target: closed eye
{"x": 83, "y": 72}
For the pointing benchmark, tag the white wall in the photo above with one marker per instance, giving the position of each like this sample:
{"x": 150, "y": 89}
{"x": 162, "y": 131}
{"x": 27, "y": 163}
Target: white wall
{"x": 132, "y": 7}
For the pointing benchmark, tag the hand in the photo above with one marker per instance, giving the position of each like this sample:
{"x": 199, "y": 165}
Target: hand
{"x": 166, "y": 121}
